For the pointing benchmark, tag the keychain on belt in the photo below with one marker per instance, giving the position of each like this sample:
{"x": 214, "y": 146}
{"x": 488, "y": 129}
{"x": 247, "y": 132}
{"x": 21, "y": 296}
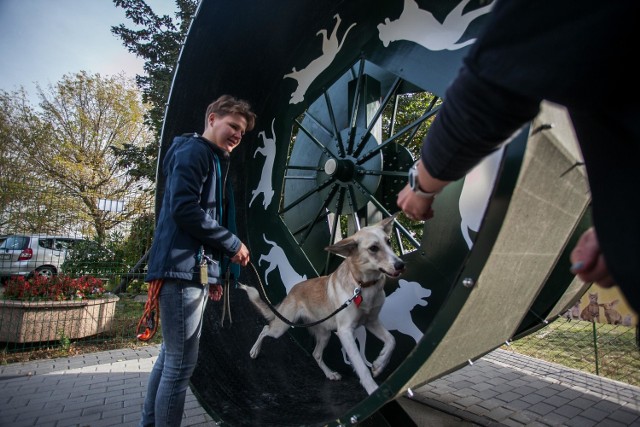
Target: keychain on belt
{"x": 204, "y": 274}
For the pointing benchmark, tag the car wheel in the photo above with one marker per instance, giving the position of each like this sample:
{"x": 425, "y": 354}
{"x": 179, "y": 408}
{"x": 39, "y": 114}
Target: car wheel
{"x": 45, "y": 271}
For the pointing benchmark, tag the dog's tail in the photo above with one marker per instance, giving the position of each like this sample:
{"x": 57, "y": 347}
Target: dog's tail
{"x": 254, "y": 297}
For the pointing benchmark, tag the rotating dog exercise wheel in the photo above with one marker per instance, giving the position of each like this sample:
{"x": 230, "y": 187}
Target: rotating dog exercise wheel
{"x": 344, "y": 92}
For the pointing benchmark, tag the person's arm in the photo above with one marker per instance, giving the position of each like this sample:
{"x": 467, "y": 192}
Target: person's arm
{"x": 474, "y": 121}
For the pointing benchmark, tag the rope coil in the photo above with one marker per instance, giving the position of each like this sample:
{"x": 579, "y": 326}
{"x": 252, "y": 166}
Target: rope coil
{"x": 150, "y": 319}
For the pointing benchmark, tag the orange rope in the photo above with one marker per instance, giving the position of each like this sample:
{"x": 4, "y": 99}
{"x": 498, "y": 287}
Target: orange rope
{"x": 150, "y": 319}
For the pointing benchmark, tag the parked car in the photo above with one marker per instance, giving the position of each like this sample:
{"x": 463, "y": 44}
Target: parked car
{"x": 28, "y": 255}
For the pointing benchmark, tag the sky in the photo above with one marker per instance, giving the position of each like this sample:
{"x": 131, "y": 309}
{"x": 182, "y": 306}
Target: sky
{"x": 42, "y": 40}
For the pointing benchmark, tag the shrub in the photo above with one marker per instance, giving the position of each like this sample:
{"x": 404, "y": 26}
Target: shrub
{"x": 54, "y": 288}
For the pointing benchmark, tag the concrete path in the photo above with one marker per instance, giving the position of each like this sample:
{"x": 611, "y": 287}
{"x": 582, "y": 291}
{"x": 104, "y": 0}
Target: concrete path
{"x": 501, "y": 389}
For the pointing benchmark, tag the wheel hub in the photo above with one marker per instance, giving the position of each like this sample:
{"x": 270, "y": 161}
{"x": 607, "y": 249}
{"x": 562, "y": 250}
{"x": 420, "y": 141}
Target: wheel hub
{"x": 345, "y": 173}
{"x": 341, "y": 169}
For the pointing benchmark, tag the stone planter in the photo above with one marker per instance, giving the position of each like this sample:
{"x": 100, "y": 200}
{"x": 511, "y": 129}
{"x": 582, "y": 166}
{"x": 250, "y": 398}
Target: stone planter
{"x": 34, "y": 321}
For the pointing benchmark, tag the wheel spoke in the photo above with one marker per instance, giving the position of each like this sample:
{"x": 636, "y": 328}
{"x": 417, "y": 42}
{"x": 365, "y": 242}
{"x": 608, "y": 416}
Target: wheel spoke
{"x": 382, "y": 209}
{"x": 401, "y": 174}
{"x": 307, "y": 195}
{"x": 334, "y": 229}
{"x": 355, "y": 106}
{"x": 319, "y": 124}
{"x": 319, "y": 213}
{"x": 315, "y": 140}
{"x": 336, "y": 131}
{"x": 402, "y": 131}
{"x": 376, "y": 116}
{"x": 304, "y": 226}
{"x": 304, "y": 168}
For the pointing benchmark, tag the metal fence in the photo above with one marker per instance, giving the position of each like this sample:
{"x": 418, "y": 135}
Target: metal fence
{"x": 609, "y": 350}
{"x": 114, "y": 233}
{"x": 67, "y": 234}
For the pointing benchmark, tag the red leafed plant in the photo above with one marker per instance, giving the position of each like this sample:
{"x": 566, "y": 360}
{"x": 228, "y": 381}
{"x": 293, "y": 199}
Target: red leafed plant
{"x": 54, "y": 288}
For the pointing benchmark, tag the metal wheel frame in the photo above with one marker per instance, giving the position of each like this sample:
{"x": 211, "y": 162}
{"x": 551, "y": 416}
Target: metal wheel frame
{"x": 297, "y": 174}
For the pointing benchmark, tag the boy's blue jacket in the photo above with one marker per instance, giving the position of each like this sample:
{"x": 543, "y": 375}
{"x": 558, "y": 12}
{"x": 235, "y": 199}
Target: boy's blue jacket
{"x": 189, "y": 216}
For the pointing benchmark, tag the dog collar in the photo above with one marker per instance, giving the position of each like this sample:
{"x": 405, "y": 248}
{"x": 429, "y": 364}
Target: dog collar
{"x": 367, "y": 284}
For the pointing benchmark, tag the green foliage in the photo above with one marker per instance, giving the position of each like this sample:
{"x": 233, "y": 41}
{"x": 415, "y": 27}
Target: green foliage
{"x": 410, "y": 107}
{"x": 158, "y": 41}
{"x": 96, "y": 258}
{"x": 115, "y": 256}
{"x": 139, "y": 239}
{"x": 65, "y": 342}
{"x": 72, "y": 142}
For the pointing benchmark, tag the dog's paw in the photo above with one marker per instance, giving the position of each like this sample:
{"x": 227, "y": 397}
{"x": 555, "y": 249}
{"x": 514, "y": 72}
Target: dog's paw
{"x": 377, "y": 368}
{"x": 370, "y": 387}
{"x": 334, "y": 376}
{"x": 254, "y": 353}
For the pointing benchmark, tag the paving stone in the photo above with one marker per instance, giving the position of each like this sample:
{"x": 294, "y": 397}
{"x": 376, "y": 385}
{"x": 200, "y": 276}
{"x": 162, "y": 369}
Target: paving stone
{"x": 501, "y": 389}
{"x": 580, "y": 422}
{"x": 626, "y": 417}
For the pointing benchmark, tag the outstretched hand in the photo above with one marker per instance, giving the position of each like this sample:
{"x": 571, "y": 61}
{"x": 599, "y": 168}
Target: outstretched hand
{"x": 587, "y": 261}
{"x": 414, "y": 207}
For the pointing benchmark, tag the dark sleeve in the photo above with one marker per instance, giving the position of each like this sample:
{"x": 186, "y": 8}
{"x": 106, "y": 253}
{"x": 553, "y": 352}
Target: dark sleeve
{"x": 475, "y": 119}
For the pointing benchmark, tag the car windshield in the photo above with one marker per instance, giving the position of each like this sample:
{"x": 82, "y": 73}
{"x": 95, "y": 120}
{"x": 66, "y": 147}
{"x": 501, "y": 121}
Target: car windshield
{"x": 15, "y": 242}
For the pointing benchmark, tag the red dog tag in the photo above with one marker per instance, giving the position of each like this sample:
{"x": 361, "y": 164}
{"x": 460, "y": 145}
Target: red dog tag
{"x": 357, "y": 300}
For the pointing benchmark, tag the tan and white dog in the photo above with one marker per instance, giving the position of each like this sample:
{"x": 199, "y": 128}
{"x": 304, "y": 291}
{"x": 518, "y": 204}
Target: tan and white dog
{"x": 369, "y": 258}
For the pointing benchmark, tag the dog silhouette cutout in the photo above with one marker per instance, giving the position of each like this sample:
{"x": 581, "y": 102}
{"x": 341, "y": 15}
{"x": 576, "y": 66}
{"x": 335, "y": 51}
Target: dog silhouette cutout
{"x": 421, "y": 27}
{"x": 276, "y": 258}
{"x": 330, "y": 48}
{"x": 268, "y": 150}
{"x": 476, "y": 192}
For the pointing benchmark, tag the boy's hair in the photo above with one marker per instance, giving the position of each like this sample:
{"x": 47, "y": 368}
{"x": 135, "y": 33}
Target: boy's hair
{"x": 227, "y": 104}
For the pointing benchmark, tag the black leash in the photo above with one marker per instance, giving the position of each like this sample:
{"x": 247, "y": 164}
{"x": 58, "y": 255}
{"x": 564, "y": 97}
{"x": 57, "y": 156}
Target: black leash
{"x": 263, "y": 295}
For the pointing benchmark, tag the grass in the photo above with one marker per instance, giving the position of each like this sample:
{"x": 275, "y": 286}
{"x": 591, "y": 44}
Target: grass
{"x": 573, "y": 344}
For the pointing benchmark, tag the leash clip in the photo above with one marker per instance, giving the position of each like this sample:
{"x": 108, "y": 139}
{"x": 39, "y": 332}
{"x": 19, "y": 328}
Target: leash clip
{"x": 356, "y": 297}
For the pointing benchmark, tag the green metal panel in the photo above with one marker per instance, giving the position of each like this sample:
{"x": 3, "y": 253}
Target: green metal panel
{"x": 320, "y": 164}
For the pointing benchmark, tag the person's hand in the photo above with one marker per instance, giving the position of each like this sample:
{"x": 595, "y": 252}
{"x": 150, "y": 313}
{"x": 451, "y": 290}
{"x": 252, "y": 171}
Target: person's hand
{"x": 242, "y": 256}
{"x": 215, "y": 292}
{"x": 588, "y": 263}
{"x": 414, "y": 206}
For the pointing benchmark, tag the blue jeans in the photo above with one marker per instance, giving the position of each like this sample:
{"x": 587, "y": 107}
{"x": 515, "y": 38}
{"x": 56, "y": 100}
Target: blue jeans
{"x": 182, "y": 307}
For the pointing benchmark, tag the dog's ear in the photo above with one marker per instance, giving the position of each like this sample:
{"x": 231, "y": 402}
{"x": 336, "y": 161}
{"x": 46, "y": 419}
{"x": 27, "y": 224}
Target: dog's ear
{"x": 387, "y": 224}
{"x": 344, "y": 247}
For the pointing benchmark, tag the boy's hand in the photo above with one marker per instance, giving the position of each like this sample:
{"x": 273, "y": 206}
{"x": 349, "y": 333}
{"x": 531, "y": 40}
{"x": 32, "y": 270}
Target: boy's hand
{"x": 215, "y": 292}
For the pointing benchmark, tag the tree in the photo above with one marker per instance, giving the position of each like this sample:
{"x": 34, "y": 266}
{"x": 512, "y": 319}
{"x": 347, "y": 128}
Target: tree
{"x": 70, "y": 143}
{"x": 158, "y": 42}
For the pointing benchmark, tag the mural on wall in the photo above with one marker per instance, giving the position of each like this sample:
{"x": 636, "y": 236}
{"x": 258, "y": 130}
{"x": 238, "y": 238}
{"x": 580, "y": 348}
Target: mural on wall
{"x": 603, "y": 305}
